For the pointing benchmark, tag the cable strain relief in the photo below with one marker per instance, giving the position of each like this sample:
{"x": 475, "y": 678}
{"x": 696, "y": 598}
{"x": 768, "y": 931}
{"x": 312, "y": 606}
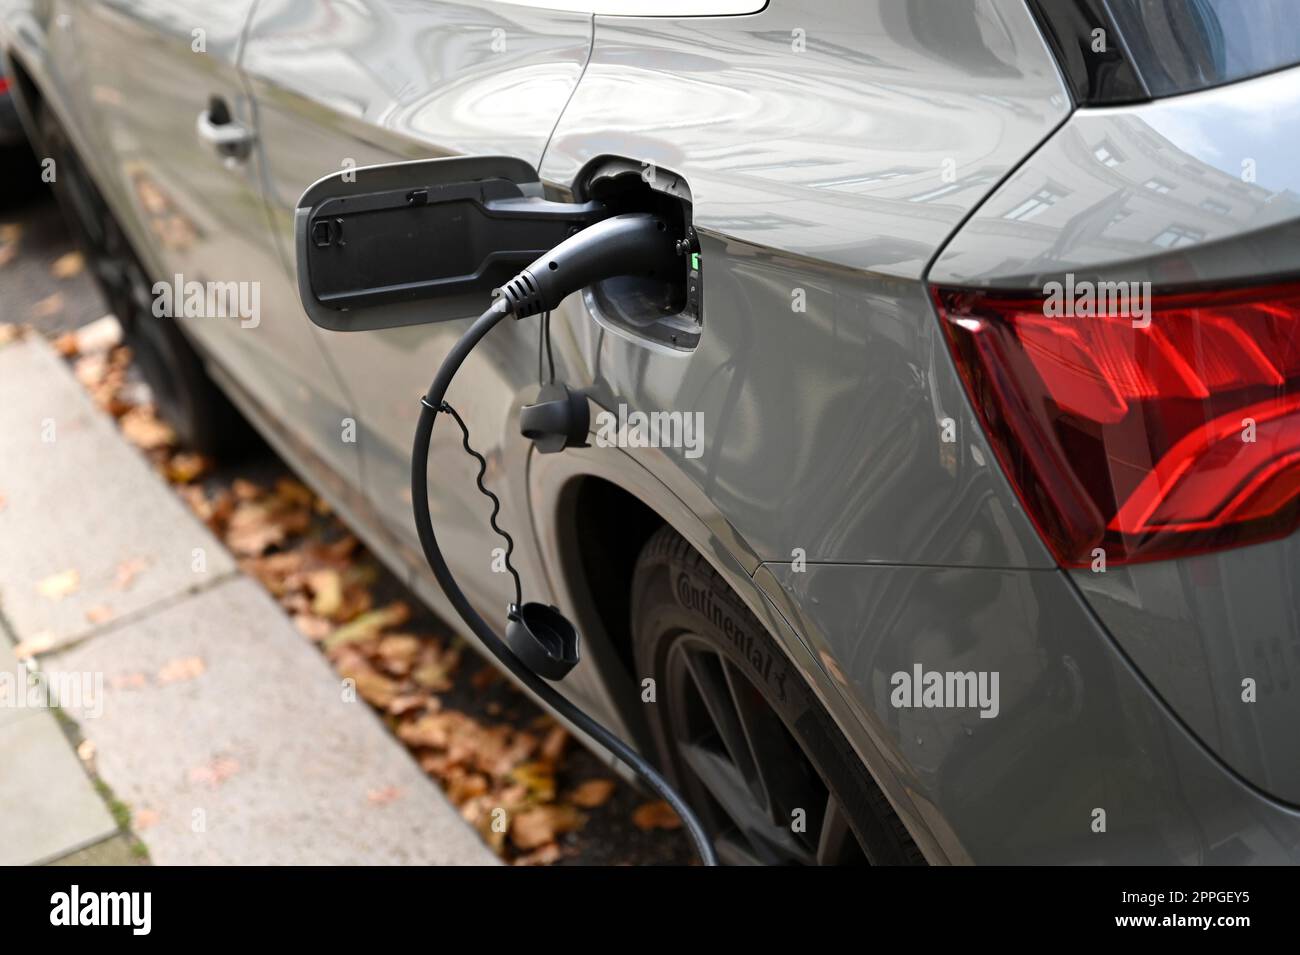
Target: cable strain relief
{"x": 523, "y": 295}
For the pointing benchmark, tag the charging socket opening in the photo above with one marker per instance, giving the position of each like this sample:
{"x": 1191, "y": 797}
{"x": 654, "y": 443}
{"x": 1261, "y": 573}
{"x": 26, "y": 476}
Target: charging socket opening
{"x": 666, "y": 312}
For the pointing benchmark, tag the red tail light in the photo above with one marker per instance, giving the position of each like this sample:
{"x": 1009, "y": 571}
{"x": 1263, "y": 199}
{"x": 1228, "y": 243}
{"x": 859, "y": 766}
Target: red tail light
{"x": 1147, "y": 439}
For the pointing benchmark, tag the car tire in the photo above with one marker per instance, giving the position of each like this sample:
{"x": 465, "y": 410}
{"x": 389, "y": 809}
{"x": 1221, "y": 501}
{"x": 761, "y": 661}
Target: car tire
{"x": 715, "y": 666}
{"x": 186, "y": 397}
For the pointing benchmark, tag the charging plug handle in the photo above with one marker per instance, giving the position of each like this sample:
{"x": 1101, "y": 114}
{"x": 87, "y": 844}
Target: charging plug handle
{"x": 635, "y": 243}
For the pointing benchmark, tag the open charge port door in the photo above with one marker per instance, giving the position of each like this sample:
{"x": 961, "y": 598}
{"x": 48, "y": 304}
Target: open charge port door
{"x": 667, "y": 312}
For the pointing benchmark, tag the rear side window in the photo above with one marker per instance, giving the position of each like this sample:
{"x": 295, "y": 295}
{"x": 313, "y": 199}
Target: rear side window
{"x": 1128, "y": 51}
{"x": 1183, "y": 45}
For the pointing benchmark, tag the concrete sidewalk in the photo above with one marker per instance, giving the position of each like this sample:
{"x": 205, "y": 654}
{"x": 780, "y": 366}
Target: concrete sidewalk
{"x": 224, "y": 731}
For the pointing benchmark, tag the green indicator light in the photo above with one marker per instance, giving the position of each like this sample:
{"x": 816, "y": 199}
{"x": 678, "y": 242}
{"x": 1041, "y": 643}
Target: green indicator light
{"x": 695, "y": 261}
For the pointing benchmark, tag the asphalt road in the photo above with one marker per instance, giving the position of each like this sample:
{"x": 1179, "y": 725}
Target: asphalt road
{"x": 30, "y": 293}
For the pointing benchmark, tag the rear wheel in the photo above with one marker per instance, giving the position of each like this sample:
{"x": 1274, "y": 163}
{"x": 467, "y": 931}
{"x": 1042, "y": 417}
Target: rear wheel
{"x": 202, "y": 416}
{"x": 737, "y": 728}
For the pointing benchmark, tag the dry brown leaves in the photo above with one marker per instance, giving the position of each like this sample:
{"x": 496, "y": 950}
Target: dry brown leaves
{"x": 60, "y": 585}
{"x": 10, "y": 234}
{"x": 656, "y": 815}
{"x": 501, "y": 777}
{"x": 101, "y": 363}
{"x": 323, "y": 579}
{"x": 10, "y": 332}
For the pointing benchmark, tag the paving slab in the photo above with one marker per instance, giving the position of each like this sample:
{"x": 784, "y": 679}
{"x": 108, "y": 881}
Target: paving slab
{"x": 48, "y": 806}
{"x": 234, "y": 742}
{"x": 79, "y": 507}
{"x": 114, "y": 851}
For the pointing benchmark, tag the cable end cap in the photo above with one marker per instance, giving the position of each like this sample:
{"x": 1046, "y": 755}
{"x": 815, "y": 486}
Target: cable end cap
{"x": 543, "y": 639}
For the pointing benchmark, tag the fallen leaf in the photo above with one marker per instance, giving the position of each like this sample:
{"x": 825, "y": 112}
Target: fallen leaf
{"x": 127, "y": 571}
{"x": 181, "y": 670}
{"x": 67, "y": 265}
{"x": 144, "y": 818}
{"x": 401, "y": 705}
{"x": 91, "y": 370}
{"x": 546, "y": 855}
{"x": 99, "y": 613}
{"x": 102, "y": 335}
{"x": 432, "y": 729}
{"x": 327, "y": 592}
{"x": 50, "y": 305}
{"x": 215, "y": 772}
{"x": 369, "y": 624}
{"x": 535, "y": 827}
{"x": 197, "y": 501}
{"x": 356, "y": 601}
{"x": 143, "y": 428}
{"x": 592, "y": 793}
{"x": 553, "y": 746}
{"x": 245, "y": 490}
{"x": 539, "y": 777}
{"x": 341, "y": 550}
{"x": 294, "y": 493}
{"x": 129, "y": 681}
{"x": 397, "y": 652}
{"x": 436, "y": 667}
{"x": 279, "y": 573}
{"x": 463, "y": 786}
{"x": 66, "y": 345}
{"x": 86, "y": 751}
{"x": 655, "y": 815}
{"x": 58, "y": 586}
{"x": 383, "y": 796}
{"x": 375, "y": 688}
{"x": 312, "y": 627}
{"x": 251, "y": 531}
{"x": 184, "y": 466}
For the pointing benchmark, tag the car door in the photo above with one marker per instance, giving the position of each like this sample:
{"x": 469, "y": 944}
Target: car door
{"x": 178, "y": 130}
{"x": 345, "y": 85}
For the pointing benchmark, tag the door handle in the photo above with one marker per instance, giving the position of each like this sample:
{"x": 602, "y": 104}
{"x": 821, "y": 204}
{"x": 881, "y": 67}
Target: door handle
{"x": 216, "y": 128}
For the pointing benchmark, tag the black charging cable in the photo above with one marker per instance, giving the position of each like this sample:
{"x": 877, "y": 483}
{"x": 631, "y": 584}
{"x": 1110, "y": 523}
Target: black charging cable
{"x": 540, "y": 639}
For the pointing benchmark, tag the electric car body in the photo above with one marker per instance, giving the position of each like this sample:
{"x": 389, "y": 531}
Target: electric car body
{"x": 908, "y": 465}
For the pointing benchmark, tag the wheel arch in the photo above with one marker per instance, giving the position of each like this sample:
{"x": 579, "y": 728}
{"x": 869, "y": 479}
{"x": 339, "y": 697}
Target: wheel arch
{"x": 592, "y": 510}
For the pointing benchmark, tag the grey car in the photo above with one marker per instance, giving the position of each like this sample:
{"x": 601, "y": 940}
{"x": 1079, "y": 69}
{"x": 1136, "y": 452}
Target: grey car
{"x": 974, "y": 536}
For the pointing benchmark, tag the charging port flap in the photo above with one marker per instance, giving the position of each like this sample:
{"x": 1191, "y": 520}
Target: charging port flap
{"x": 415, "y": 242}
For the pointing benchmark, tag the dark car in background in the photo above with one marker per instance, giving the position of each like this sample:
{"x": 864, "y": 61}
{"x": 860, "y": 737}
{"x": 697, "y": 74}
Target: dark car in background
{"x": 11, "y": 127}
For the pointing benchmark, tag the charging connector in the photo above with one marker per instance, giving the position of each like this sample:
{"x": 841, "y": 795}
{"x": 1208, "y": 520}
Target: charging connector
{"x": 540, "y": 641}
{"x": 635, "y": 243}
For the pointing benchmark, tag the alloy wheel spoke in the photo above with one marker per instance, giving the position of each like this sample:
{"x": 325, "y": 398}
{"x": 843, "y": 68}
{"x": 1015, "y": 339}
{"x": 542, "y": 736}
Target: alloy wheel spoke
{"x": 778, "y": 762}
{"x": 769, "y": 844}
{"x": 706, "y": 671}
{"x": 836, "y": 843}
